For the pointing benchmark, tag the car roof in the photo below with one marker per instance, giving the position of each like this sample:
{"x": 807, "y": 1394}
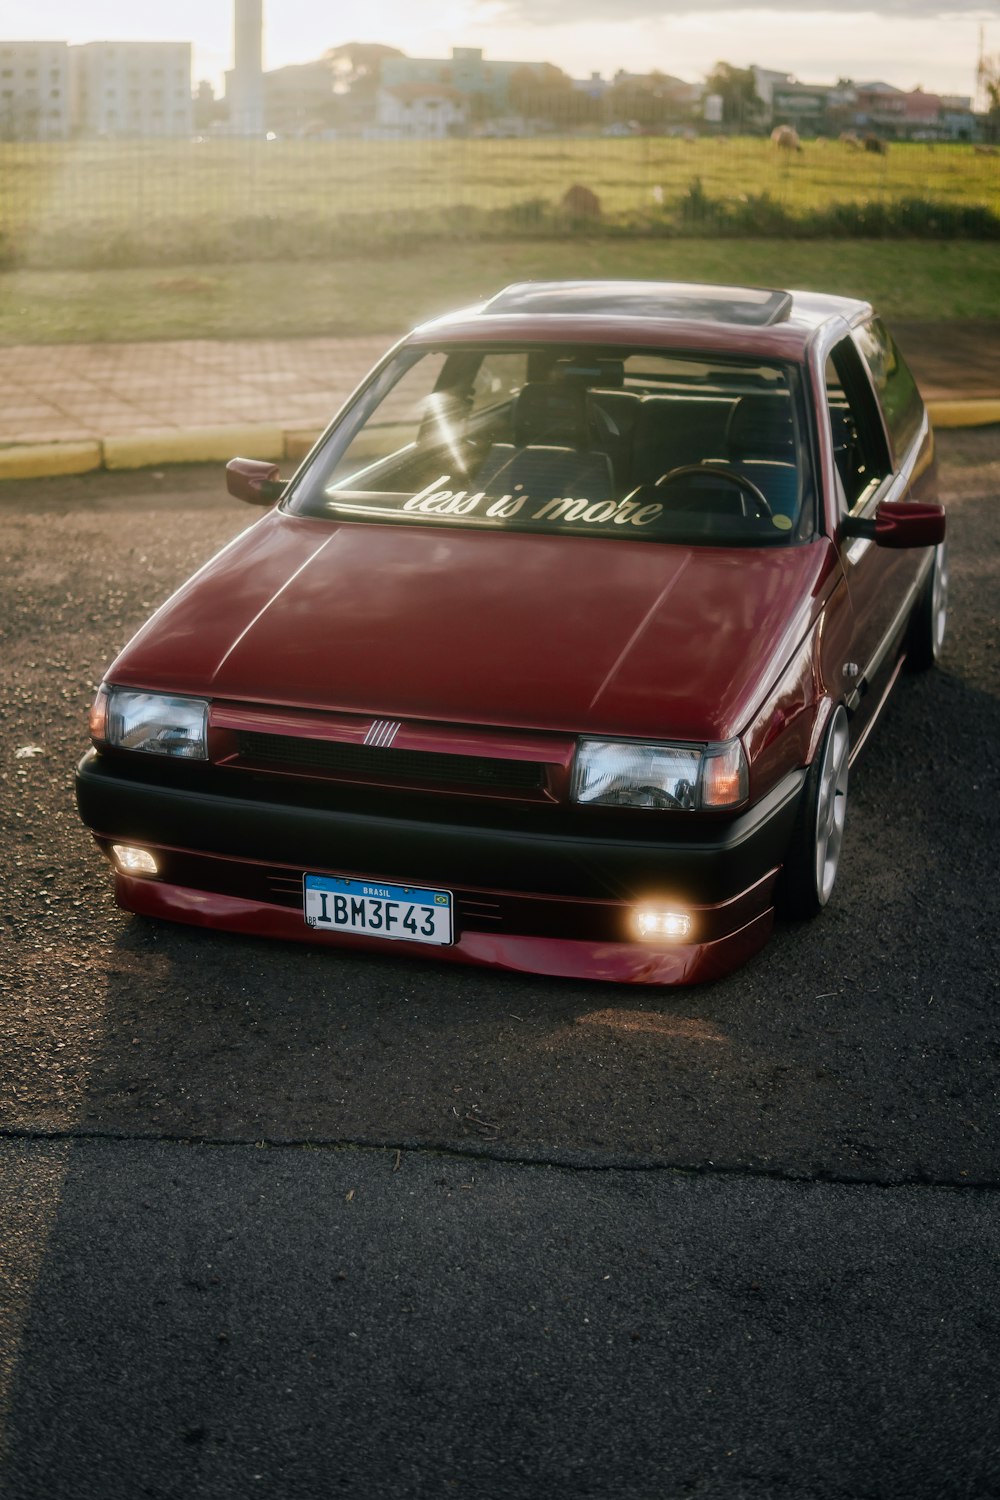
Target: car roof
{"x": 703, "y": 315}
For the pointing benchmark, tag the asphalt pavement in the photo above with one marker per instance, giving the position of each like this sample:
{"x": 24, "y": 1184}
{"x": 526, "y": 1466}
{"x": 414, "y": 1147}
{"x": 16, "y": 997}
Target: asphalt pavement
{"x": 209, "y": 1322}
{"x": 308, "y": 1224}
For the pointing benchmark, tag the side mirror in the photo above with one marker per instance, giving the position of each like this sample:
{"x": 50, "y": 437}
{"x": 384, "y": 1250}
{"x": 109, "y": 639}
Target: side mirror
{"x": 899, "y": 523}
{"x": 254, "y": 480}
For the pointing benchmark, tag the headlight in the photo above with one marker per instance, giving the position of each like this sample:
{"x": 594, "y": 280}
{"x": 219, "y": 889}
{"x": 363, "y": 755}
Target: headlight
{"x": 152, "y": 722}
{"x": 680, "y": 778}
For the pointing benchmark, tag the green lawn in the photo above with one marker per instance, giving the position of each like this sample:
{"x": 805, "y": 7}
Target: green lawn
{"x": 235, "y": 239}
{"x": 80, "y": 205}
{"x": 387, "y": 292}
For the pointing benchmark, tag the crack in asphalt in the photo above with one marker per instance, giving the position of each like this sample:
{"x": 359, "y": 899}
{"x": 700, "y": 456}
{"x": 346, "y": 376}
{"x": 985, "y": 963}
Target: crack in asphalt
{"x": 570, "y": 1161}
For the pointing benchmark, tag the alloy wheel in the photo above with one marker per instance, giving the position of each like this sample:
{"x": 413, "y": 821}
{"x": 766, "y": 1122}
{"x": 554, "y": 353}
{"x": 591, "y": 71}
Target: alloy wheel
{"x": 831, "y": 806}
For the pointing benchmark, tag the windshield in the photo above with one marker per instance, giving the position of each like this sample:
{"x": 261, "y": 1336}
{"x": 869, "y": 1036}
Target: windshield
{"x": 586, "y": 441}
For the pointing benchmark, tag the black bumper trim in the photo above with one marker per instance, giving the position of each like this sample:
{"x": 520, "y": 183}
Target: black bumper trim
{"x": 720, "y": 862}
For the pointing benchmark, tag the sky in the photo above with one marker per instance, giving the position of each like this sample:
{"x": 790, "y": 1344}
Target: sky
{"x": 909, "y": 43}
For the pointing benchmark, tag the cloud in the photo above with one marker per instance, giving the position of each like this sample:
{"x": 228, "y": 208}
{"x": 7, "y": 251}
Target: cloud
{"x": 563, "y": 12}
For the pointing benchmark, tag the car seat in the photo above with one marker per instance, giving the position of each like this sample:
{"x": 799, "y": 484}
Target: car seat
{"x": 760, "y": 443}
{"x": 551, "y": 455}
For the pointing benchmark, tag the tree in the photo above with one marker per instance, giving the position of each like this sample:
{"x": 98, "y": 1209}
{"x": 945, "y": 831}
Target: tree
{"x": 742, "y": 106}
{"x": 357, "y": 69}
{"x": 208, "y": 110}
{"x": 547, "y": 93}
{"x": 990, "y": 79}
{"x": 652, "y": 100}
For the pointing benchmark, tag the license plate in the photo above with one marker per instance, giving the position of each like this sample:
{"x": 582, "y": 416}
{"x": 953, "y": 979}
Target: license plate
{"x": 374, "y": 909}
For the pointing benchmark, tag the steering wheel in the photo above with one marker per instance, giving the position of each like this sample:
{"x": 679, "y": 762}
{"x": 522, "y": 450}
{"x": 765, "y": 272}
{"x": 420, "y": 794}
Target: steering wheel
{"x": 748, "y": 490}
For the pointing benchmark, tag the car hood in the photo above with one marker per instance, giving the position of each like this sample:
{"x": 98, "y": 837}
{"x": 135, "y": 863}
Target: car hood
{"x": 575, "y": 634}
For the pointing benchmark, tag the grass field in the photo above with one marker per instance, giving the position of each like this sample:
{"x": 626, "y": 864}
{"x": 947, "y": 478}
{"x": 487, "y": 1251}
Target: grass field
{"x": 385, "y": 292}
{"x": 230, "y": 239}
{"x": 86, "y": 205}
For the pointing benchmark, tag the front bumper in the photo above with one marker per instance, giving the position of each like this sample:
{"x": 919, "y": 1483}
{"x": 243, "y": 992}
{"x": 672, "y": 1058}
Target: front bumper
{"x": 551, "y": 900}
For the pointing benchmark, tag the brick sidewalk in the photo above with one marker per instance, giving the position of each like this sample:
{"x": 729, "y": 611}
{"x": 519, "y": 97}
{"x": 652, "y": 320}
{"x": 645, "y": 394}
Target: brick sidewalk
{"x": 956, "y": 360}
{"x": 79, "y": 392}
{"x": 75, "y": 392}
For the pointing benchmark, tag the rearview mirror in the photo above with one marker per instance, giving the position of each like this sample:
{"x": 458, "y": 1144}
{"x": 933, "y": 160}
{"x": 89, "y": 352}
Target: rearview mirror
{"x": 899, "y": 523}
{"x": 255, "y": 480}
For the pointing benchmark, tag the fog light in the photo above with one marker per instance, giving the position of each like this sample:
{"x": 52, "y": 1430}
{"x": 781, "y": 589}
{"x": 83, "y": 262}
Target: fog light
{"x": 653, "y": 923}
{"x": 133, "y": 861}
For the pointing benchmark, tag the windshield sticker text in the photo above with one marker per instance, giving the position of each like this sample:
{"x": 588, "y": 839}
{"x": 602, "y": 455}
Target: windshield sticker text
{"x": 437, "y": 501}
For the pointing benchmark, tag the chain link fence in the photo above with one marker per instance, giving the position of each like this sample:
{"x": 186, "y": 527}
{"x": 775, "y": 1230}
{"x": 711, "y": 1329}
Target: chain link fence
{"x": 87, "y": 205}
{"x": 185, "y": 241}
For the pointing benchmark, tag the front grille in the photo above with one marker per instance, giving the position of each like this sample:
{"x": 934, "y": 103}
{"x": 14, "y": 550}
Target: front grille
{"x": 289, "y": 752}
{"x": 475, "y": 910}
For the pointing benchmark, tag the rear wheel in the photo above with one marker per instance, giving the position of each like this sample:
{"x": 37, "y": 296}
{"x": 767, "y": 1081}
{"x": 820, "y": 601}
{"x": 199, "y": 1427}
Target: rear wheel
{"x": 810, "y": 869}
{"x": 929, "y": 620}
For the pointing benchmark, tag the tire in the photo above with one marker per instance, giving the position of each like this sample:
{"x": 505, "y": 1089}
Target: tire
{"x": 810, "y": 870}
{"x": 929, "y": 619}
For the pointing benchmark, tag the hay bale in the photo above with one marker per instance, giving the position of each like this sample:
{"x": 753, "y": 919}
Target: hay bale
{"x": 581, "y": 202}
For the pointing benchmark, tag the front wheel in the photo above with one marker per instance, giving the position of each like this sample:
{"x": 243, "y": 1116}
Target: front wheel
{"x": 929, "y": 619}
{"x": 810, "y": 868}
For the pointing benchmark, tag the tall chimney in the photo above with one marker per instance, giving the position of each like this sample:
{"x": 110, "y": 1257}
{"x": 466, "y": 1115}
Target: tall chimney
{"x": 245, "y": 84}
{"x": 249, "y": 31}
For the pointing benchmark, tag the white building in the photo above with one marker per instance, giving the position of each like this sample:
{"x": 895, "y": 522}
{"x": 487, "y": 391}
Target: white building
{"x": 132, "y": 89}
{"x": 766, "y": 80}
{"x": 430, "y": 111}
{"x": 34, "y": 91}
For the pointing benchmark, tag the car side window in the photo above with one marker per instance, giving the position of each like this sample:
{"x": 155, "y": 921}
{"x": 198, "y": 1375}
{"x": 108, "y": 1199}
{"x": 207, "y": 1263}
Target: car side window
{"x": 896, "y": 387}
{"x": 860, "y": 451}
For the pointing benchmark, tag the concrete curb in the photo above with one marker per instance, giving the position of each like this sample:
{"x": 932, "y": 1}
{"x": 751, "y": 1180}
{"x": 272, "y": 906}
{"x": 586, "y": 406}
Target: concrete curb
{"x": 46, "y": 460}
{"x": 194, "y": 445}
{"x": 977, "y": 412}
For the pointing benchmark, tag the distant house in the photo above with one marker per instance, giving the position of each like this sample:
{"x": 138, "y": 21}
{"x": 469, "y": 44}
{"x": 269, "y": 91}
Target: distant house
{"x": 483, "y": 82}
{"x": 429, "y": 111}
{"x": 811, "y": 108}
{"x": 765, "y": 81}
{"x": 880, "y": 107}
{"x": 914, "y": 113}
{"x": 958, "y": 123}
{"x": 876, "y": 107}
{"x": 594, "y": 87}
{"x": 668, "y": 92}
{"x": 921, "y": 109}
{"x": 939, "y": 116}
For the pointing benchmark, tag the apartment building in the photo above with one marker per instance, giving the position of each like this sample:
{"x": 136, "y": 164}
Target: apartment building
{"x": 34, "y": 91}
{"x": 132, "y": 89}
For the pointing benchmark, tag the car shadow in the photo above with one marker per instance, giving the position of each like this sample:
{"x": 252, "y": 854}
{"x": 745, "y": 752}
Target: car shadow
{"x": 781, "y": 1064}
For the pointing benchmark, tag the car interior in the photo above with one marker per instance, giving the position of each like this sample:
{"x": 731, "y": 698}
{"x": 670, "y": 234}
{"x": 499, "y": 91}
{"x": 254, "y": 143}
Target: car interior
{"x": 717, "y": 448}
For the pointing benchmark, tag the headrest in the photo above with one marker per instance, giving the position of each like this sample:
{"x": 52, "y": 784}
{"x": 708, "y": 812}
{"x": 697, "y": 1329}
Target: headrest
{"x": 761, "y": 427}
{"x": 555, "y": 415}
{"x": 597, "y": 374}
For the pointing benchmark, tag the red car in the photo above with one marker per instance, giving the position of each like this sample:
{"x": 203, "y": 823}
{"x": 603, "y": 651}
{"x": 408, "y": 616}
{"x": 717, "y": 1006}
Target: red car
{"x": 555, "y": 652}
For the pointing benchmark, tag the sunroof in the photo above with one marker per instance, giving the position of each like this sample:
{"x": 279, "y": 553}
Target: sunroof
{"x": 749, "y": 305}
